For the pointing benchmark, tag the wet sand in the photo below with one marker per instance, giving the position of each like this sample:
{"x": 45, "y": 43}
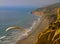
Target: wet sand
{"x": 33, "y": 36}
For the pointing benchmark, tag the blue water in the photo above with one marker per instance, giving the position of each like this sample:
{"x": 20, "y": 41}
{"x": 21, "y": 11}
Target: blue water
{"x": 14, "y": 17}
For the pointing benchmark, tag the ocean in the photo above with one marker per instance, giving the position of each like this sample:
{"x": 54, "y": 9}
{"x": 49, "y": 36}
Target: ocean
{"x": 20, "y": 17}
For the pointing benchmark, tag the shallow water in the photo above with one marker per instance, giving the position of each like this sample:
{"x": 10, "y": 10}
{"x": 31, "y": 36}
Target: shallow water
{"x": 18, "y": 17}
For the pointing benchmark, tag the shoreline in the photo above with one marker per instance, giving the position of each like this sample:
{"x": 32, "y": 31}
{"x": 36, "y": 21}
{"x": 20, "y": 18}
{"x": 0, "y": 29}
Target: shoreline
{"x": 33, "y": 36}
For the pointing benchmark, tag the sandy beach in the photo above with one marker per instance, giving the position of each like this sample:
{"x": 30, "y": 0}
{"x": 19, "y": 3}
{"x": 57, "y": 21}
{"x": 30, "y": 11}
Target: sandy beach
{"x": 33, "y": 36}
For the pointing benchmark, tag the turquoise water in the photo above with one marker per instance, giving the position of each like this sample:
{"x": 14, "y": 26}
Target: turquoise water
{"x": 14, "y": 17}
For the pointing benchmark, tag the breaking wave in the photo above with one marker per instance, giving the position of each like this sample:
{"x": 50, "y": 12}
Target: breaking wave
{"x": 12, "y": 37}
{"x": 15, "y": 35}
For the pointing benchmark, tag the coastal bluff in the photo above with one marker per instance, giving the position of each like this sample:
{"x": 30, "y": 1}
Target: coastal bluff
{"x": 46, "y": 12}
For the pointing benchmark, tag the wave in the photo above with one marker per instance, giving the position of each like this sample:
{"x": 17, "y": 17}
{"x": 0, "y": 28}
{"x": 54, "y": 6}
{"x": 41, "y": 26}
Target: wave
{"x": 16, "y": 35}
{"x": 12, "y": 38}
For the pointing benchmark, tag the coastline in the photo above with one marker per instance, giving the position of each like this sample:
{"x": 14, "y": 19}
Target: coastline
{"x": 33, "y": 36}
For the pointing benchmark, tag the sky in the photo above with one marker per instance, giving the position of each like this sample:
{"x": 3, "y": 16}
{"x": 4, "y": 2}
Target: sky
{"x": 27, "y": 2}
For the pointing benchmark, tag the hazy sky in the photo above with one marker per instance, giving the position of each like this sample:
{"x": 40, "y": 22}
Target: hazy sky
{"x": 26, "y": 2}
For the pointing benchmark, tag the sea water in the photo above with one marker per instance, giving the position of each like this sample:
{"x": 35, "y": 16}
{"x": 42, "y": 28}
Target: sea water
{"x": 20, "y": 17}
